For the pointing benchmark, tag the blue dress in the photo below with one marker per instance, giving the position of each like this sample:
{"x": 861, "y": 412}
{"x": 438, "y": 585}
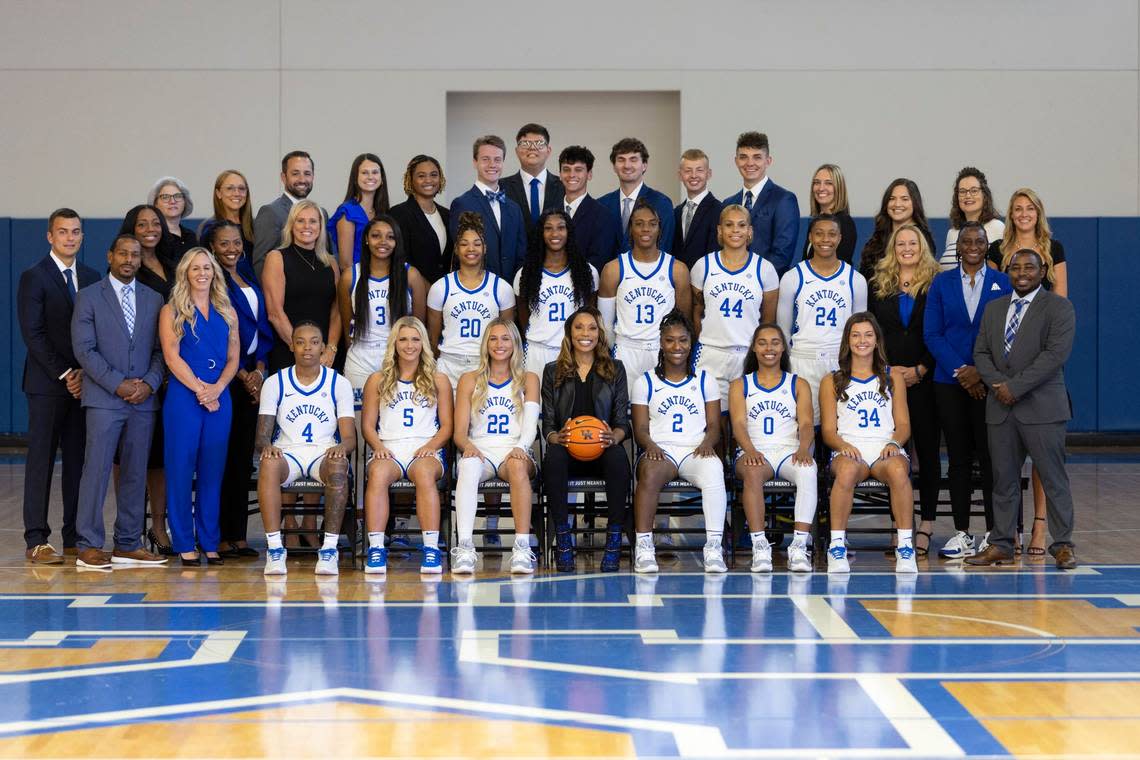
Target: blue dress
{"x": 196, "y": 439}
{"x": 353, "y": 212}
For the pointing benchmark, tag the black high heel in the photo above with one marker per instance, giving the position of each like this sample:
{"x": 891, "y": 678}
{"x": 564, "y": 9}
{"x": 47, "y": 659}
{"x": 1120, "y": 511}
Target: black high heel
{"x": 195, "y": 562}
{"x": 164, "y": 550}
{"x": 214, "y": 560}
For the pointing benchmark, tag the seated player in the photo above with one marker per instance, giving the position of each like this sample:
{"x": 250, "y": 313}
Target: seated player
{"x": 496, "y": 421}
{"x": 771, "y": 412}
{"x": 305, "y": 429}
{"x": 676, "y": 421}
{"x": 407, "y": 422}
{"x": 866, "y": 425}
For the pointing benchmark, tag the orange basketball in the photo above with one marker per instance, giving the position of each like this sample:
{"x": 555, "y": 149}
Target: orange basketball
{"x": 585, "y": 443}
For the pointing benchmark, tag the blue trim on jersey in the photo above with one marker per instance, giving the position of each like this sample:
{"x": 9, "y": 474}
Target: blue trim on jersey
{"x": 446, "y": 293}
{"x": 355, "y": 272}
{"x": 458, "y": 284}
{"x": 556, "y": 274}
{"x": 864, "y": 382}
{"x": 795, "y": 382}
{"x": 701, "y": 385}
{"x": 504, "y": 384}
{"x": 820, "y": 276}
{"x": 671, "y": 282}
{"x": 705, "y": 278}
{"x": 760, "y": 273}
{"x": 688, "y": 377}
{"x": 621, "y": 267}
{"x": 649, "y": 385}
{"x": 776, "y": 387}
{"x": 495, "y": 293}
{"x": 725, "y": 269}
{"x": 796, "y": 305}
{"x": 661, "y": 257}
{"x": 317, "y": 387}
{"x": 280, "y": 388}
{"x": 776, "y": 472}
{"x": 332, "y": 390}
{"x": 300, "y": 466}
{"x": 851, "y": 287}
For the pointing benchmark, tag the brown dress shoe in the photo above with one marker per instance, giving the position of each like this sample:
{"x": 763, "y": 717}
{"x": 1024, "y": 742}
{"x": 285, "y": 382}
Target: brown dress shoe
{"x": 70, "y": 551}
{"x": 993, "y": 555}
{"x": 139, "y": 556}
{"x": 44, "y": 554}
{"x": 94, "y": 558}
{"x": 1066, "y": 559}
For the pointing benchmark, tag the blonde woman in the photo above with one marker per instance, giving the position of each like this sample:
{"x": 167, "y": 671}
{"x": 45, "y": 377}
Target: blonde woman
{"x": 199, "y": 336}
{"x": 496, "y": 420}
{"x": 829, "y": 196}
{"x": 406, "y": 423}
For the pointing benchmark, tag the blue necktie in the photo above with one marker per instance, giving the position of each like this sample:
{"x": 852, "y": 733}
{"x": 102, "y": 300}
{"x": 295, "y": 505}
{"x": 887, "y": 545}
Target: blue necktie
{"x": 1014, "y": 323}
{"x": 748, "y": 200}
{"x": 496, "y": 197}
{"x": 70, "y": 285}
{"x": 534, "y": 200}
{"x": 128, "y": 305}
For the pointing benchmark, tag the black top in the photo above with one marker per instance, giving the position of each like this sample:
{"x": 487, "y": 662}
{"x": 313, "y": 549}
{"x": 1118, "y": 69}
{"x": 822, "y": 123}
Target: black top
{"x": 583, "y": 395}
{"x": 847, "y": 235}
{"x": 310, "y": 290}
{"x": 608, "y": 402}
{"x": 172, "y": 247}
{"x": 1056, "y": 251}
{"x": 904, "y": 344}
{"x": 420, "y": 240}
{"x": 154, "y": 282}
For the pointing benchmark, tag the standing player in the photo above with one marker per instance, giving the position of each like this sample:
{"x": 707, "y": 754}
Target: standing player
{"x": 462, "y": 304}
{"x": 639, "y": 288}
{"x": 816, "y": 299}
{"x": 771, "y": 411}
{"x": 554, "y": 282}
{"x": 866, "y": 424}
{"x": 310, "y": 407}
{"x": 676, "y": 420}
{"x": 496, "y": 421}
{"x": 734, "y": 290}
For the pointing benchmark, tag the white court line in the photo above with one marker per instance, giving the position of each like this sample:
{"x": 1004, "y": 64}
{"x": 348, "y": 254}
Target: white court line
{"x": 915, "y": 725}
{"x": 823, "y": 617}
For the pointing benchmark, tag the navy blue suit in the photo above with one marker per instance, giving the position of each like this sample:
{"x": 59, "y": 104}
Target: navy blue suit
{"x": 597, "y": 232}
{"x": 775, "y": 224}
{"x": 660, "y": 201}
{"x": 506, "y": 247}
{"x": 701, "y": 239}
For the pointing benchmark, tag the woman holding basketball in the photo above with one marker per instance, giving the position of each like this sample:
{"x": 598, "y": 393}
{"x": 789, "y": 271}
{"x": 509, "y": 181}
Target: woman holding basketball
{"x": 771, "y": 412}
{"x": 585, "y": 382}
{"x": 676, "y": 421}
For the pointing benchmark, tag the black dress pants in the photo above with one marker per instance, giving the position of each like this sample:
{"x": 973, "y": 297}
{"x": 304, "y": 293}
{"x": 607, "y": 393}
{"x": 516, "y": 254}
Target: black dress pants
{"x": 54, "y": 423}
{"x": 613, "y": 465}
{"x": 964, "y": 425}
{"x": 234, "y": 509}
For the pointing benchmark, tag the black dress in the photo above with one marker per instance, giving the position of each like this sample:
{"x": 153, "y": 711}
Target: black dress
{"x": 310, "y": 291}
{"x": 1056, "y": 251}
{"x": 171, "y": 248}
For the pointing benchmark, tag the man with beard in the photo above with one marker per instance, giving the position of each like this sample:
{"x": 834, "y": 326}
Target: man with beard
{"x": 297, "y": 170}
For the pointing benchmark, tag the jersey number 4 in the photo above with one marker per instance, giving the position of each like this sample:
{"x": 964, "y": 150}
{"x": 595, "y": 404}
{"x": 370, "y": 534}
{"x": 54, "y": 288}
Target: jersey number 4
{"x": 732, "y": 310}
{"x": 498, "y": 424}
{"x": 307, "y": 433}
{"x": 825, "y": 318}
{"x": 868, "y": 420}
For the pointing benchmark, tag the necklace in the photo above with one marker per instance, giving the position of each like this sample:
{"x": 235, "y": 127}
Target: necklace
{"x": 312, "y": 264}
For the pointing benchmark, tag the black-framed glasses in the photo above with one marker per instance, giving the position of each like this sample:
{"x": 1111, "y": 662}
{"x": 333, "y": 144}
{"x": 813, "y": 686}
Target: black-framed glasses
{"x": 168, "y": 197}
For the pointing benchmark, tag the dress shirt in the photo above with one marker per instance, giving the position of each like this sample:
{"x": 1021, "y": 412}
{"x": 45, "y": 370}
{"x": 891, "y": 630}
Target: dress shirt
{"x": 973, "y": 293}
{"x": 484, "y": 189}
{"x": 572, "y": 206}
{"x": 74, "y": 278}
{"x": 541, "y": 177}
{"x": 134, "y": 297}
{"x": 759, "y": 188}
{"x": 1013, "y": 298}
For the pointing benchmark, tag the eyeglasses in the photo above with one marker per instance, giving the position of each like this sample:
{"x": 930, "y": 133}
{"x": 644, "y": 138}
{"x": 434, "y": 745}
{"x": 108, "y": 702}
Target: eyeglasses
{"x": 969, "y": 192}
{"x": 233, "y": 189}
{"x": 168, "y": 197}
{"x": 535, "y": 144}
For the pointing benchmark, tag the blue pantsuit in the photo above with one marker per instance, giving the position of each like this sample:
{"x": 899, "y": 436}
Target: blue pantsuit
{"x": 196, "y": 439}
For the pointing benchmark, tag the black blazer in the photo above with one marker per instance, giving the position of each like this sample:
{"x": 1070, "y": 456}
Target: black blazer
{"x": 553, "y": 193}
{"x": 597, "y": 232}
{"x": 420, "y": 240}
{"x": 702, "y": 231}
{"x": 44, "y": 308}
{"x": 611, "y": 400}
{"x": 905, "y": 346}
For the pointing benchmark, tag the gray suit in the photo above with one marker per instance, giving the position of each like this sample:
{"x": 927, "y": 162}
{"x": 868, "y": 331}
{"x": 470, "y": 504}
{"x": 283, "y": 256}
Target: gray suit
{"x": 267, "y": 227}
{"x": 1035, "y": 423}
{"x": 110, "y": 354}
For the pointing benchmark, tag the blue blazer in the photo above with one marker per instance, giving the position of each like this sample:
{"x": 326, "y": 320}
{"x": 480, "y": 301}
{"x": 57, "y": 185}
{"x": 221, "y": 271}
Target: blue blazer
{"x": 506, "y": 247}
{"x": 108, "y": 353}
{"x": 660, "y": 201}
{"x": 948, "y": 331}
{"x": 250, "y": 324}
{"x": 702, "y": 231}
{"x": 597, "y": 232}
{"x": 775, "y": 224}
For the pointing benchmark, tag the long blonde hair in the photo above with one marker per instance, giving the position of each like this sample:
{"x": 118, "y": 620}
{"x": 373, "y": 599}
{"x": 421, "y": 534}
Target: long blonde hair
{"x": 183, "y": 306}
{"x": 424, "y": 380}
{"x": 322, "y": 248}
{"x": 1041, "y": 233}
{"x": 483, "y": 373}
{"x": 886, "y": 279}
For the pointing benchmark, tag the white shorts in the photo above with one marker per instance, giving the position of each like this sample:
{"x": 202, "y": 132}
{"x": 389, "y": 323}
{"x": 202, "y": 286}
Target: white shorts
{"x": 637, "y": 361}
{"x": 780, "y": 457}
{"x": 676, "y": 453}
{"x": 304, "y": 461}
{"x": 404, "y": 453}
{"x": 870, "y": 449}
{"x": 494, "y": 456}
{"x": 812, "y": 368}
{"x": 360, "y": 362}
{"x": 538, "y": 355}
{"x": 725, "y": 364}
{"x": 454, "y": 366}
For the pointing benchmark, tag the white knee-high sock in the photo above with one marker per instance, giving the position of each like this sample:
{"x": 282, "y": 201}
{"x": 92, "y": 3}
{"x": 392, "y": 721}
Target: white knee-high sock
{"x": 468, "y": 477}
{"x": 707, "y": 474}
{"x": 807, "y": 489}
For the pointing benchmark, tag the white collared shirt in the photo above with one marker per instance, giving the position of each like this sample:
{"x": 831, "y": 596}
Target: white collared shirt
{"x": 541, "y": 177}
{"x": 759, "y": 188}
{"x": 698, "y": 198}
{"x": 573, "y": 206}
{"x": 632, "y": 196}
{"x": 484, "y": 189}
{"x": 972, "y": 293}
{"x": 65, "y": 268}
{"x": 1014, "y": 297}
{"x": 289, "y": 195}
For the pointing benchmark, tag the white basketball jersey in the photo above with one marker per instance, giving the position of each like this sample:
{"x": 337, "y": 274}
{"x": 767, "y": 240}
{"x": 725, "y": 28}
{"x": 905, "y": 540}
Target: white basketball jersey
{"x": 643, "y": 299}
{"x": 771, "y": 412}
{"x": 676, "y": 410}
{"x": 732, "y": 298}
{"x": 466, "y": 312}
{"x": 407, "y": 415}
{"x": 821, "y": 308}
{"x": 498, "y": 419}
{"x": 306, "y": 414}
{"x": 556, "y": 302}
{"x": 866, "y": 414}
{"x": 380, "y": 321}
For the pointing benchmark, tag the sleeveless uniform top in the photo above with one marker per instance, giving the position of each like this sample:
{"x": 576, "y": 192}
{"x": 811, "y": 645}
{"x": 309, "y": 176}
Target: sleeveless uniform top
{"x": 645, "y": 294}
{"x": 866, "y": 414}
{"x": 306, "y": 414}
{"x": 771, "y": 412}
{"x": 466, "y": 312}
{"x": 407, "y": 415}
{"x": 676, "y": 410}
{"x": 822, "y": 306}
{"x": 732, "y": 298}
{"x": 498, "y": 420}
{"x": 380, "y": 321}
{"x": 556, "y": 302}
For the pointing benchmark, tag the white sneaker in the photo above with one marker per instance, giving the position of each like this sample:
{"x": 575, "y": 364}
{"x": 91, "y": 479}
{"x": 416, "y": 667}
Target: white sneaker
{"x": 837, "y": 559}
{"x": 960, "y": 546}
{"x": 761, "y": 555}
{"x": 984, "y": 543}
{"x": 645, "y": 558}
{"x": 522, "y": 559}
{"x": 327, "y": 562}
{"x": 275, "y": 561}
{"x": 714, "y": 557}
{"x": 904, "y": 560}
{"x": 463, "y": 558}
{"x": 799, "y": 557}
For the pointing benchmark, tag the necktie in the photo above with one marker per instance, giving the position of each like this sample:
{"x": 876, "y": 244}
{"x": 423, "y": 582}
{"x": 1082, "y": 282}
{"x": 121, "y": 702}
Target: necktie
{"x": 569, "y": 211}
{"x": 128, "y": 305}
{"x": 70, "y": 285}
{"x": 1014, "y": 323}
{"x": 534, "y": 200}
{"x": 626, "y": 207}
{"x": 748, "y": 200}
{"x": 496, "y": 197}
{"x": 690, "y": 209}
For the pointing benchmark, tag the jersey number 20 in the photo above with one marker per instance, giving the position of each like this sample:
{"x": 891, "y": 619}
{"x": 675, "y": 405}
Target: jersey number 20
{"x": 470, "y": 328}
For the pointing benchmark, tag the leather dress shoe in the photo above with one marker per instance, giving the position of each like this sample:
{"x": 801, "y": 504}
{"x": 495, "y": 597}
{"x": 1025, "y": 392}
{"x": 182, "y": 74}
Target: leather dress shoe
{"x": 1066, "y": 559}
{"x": 993, "y": 555}
{"x": 93, "y": 558}
{"x": 138, "y": 556}
{"x": 70, "y": 551}
{"x": 44, "y": 554}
